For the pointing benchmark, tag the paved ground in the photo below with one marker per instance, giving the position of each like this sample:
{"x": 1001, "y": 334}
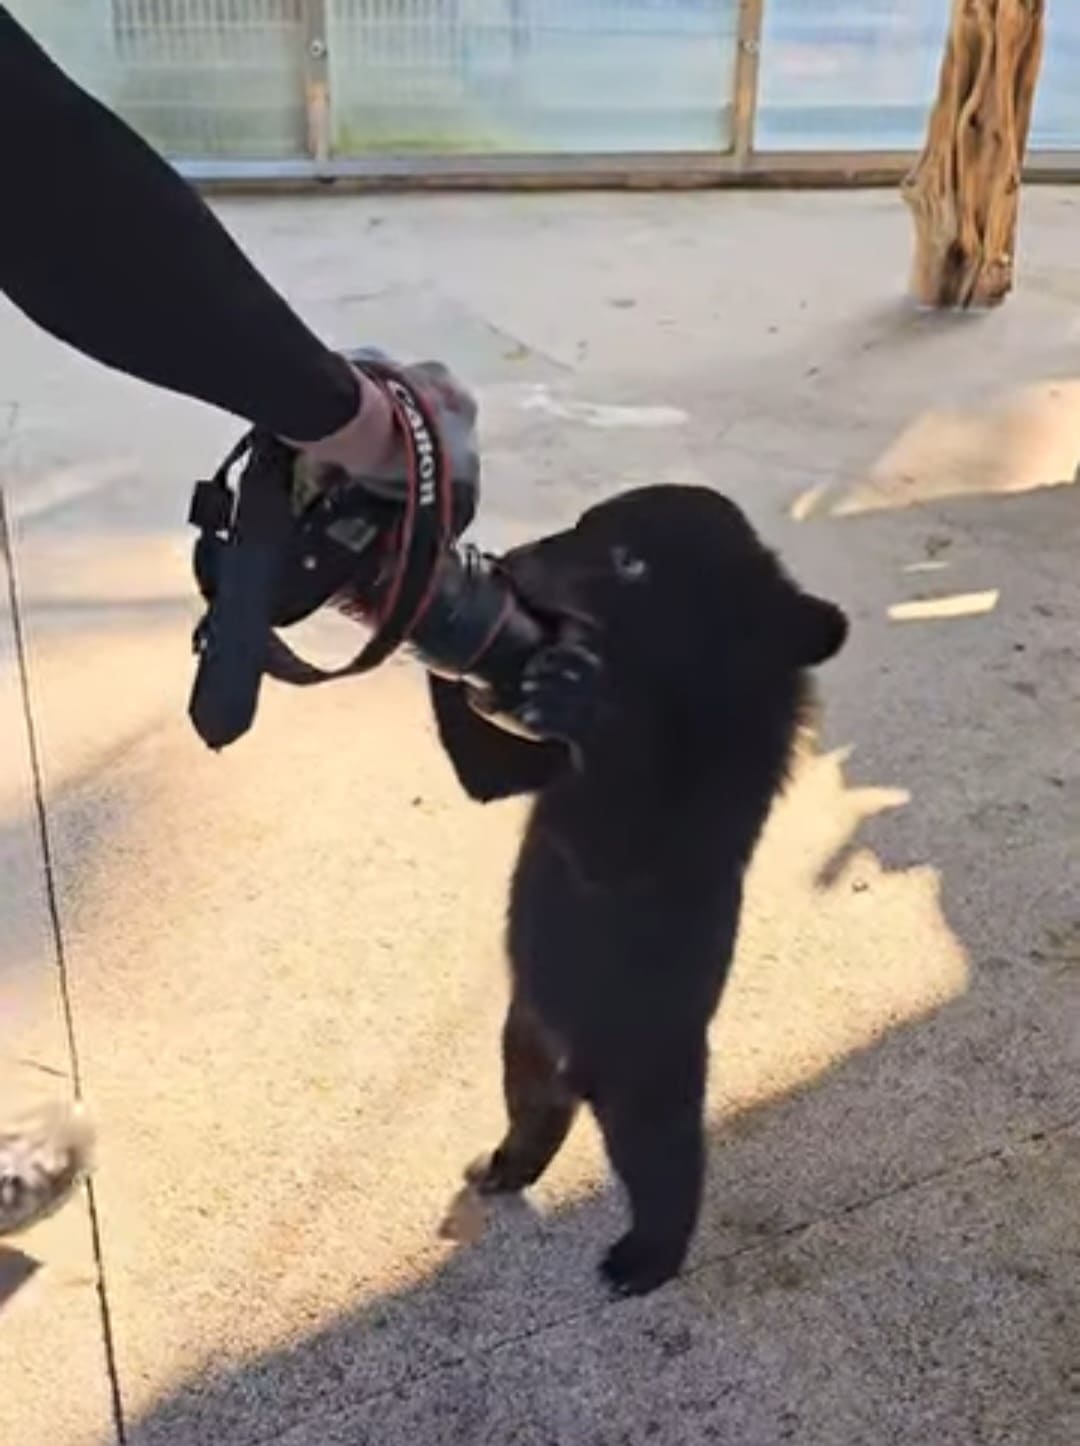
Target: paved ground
{"x": 284, "y": 966}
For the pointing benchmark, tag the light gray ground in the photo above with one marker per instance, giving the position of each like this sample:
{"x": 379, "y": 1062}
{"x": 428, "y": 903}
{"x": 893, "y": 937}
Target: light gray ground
{"x": 284, "y": 963}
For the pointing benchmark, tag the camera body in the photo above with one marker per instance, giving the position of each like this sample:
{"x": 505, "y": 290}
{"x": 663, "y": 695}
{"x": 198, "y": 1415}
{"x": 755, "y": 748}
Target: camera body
{"x": 270, "y": 553}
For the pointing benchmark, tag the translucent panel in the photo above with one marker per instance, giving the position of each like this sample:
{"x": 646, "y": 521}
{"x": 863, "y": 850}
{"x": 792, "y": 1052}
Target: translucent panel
{"x": 1056, "y": 124}
{"x": 197, "y": 77}
{"x": 225, "y": 78}
{"x": 848, "y": 75}
{"x": 77, "y": 34}
{"x": 531, "y": 75}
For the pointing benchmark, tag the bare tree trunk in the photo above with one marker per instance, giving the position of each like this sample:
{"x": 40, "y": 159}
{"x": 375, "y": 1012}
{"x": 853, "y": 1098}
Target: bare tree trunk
{"x": 964, "y": 192}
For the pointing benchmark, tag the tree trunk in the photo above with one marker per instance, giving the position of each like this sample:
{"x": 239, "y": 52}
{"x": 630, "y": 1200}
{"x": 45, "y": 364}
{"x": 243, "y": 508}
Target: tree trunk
{"x": 964, "y": 192}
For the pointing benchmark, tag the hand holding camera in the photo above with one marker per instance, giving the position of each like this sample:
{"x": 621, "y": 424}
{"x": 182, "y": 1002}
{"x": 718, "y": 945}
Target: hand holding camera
{"x": 367, "y": 521}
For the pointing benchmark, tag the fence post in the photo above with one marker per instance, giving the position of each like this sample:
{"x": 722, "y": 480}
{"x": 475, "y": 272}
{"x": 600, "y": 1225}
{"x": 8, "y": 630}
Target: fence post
{"x": 317, "y": 81}
{"x": 747, "y": 63}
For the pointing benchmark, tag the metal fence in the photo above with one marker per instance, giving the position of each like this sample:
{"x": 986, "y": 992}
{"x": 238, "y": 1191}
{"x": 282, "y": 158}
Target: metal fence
{"x": 482, "y": 88}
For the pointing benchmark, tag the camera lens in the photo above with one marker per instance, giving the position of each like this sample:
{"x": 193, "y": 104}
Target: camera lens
{"x": 475, "y": 627}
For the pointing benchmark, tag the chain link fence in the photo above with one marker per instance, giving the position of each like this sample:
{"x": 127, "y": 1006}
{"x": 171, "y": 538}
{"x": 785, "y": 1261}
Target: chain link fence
{"x": 319, "y": 86}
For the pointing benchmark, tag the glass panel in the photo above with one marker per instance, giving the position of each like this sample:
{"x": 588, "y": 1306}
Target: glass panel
{"x": 197, "y": 77}
{"x": 76, "y": 33}
{"x": 848, "y": 74}
{"x": 224, "y": 78}
{"x": 861, "y": 75}
{"x": 1056, "y": 124}
{"x": 531, "y": 75}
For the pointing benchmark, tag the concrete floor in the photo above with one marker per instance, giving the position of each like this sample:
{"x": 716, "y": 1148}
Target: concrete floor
{"x": 284, "y": 963}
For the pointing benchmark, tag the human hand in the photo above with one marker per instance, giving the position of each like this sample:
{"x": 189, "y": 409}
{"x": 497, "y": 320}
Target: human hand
{"x": 371, "y": 448}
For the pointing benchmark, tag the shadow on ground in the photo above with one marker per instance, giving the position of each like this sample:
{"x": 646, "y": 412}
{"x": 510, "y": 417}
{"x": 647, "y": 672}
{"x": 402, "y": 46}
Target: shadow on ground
{"x": 15, "y": 1270}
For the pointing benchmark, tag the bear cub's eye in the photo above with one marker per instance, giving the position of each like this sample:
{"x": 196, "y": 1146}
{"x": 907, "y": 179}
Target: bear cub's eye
{"x": 628, "y": 567}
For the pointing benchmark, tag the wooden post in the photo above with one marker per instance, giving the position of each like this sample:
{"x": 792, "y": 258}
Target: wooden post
{"x": 747, "y": 62}
{"x": 964, "y": 192}
{"x": 316, "y": 80}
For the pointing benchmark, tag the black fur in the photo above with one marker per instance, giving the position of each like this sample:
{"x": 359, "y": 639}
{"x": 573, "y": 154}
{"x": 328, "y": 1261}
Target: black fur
{"x": 626, "y": 897}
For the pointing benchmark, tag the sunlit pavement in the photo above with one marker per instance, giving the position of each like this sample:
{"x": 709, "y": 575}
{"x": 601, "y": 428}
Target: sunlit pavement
{"x": 283, "y": 964}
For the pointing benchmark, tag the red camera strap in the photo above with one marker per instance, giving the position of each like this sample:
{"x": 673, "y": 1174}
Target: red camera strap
{"x": 423, "y": 536}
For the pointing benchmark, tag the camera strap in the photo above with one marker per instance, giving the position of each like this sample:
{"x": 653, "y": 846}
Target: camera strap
{"x": 253, "y": 528}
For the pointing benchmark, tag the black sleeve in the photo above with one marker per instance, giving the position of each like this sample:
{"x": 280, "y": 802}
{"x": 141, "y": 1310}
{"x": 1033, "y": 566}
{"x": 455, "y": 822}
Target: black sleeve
{"x": 105, "y": 246}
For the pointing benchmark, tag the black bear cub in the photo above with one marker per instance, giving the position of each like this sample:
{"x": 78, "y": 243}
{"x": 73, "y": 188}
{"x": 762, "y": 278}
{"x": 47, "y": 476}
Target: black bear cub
{"x": 626, "y": 895}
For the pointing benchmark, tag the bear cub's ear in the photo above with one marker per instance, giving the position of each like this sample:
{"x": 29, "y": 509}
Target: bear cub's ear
{"x": 818, "y": 630}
